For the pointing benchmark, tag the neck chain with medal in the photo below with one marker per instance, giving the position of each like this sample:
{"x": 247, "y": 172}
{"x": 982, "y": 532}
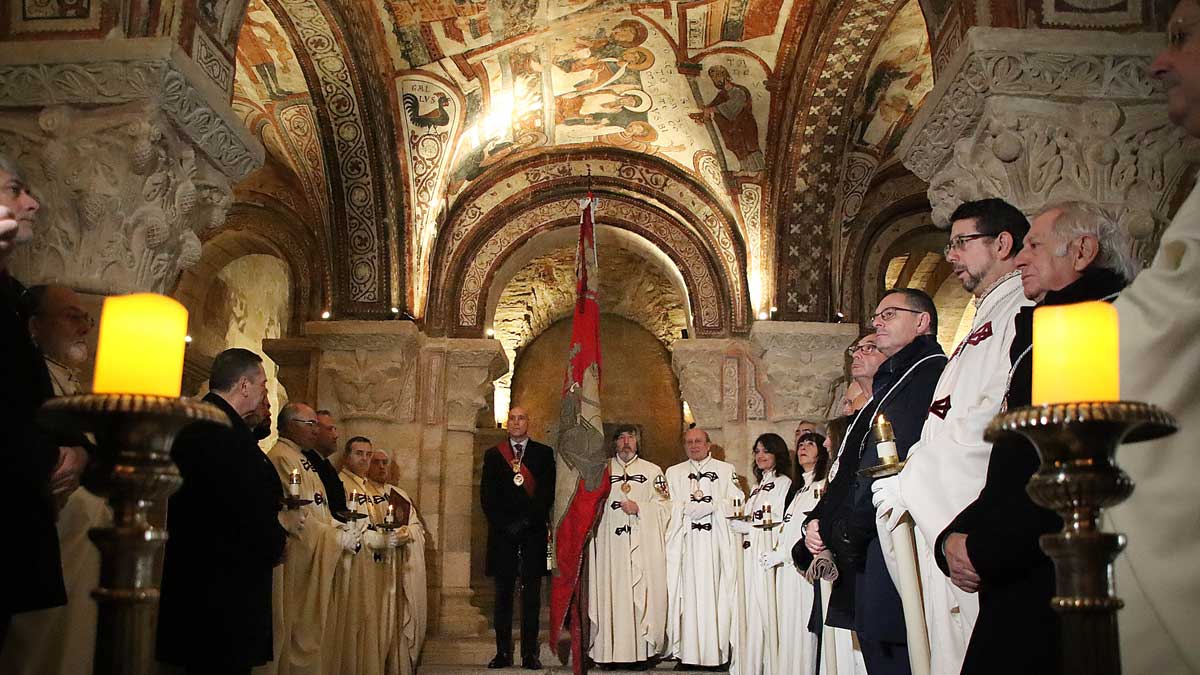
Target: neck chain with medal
{"x": 698, "y": 494}
{"x": 625, "y": 473}
{"x": 518, "y": 455}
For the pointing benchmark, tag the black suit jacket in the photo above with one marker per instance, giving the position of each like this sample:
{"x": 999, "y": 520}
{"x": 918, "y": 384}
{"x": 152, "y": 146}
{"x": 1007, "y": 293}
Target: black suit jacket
{"x": 31, "y": 573}
{"x": 1004, "y": 526}
{"x": 878, "y": 614}
{"x": 517, "y": 523}
{"x": 224, "y": 539}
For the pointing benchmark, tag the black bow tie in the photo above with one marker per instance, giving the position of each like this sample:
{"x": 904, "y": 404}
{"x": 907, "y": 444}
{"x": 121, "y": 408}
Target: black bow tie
{"x": 707, "y": 527}
{"x": 711, "y": 475}
{"x": 624, "y": 528}
{"x": 637, "y": 478}
{"x": 764, "y": 488}
{"x": 707, "y": 499}
{"x": 615, "y": 505}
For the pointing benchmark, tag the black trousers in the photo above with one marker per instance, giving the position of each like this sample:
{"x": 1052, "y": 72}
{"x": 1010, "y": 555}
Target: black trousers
{"x": 531, "y": 611}
{"x": 885, "y": 658}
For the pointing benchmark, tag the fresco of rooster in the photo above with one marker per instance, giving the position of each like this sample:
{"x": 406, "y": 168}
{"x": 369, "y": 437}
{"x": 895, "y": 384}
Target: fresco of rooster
{"x": 430, "y": 118}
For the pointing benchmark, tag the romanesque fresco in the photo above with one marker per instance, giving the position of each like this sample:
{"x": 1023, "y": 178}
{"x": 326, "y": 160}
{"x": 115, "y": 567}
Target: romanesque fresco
{"x": 900, "y": 76}
{"x": 272, "y": 97}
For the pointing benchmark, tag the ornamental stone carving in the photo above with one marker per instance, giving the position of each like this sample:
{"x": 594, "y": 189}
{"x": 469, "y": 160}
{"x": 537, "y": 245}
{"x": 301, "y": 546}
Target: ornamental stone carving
{"x": 699, "y": 365}
{"x": 802, "y": 361}
{"x": 1042, "y": 116}
{"x": 125, "y": 197}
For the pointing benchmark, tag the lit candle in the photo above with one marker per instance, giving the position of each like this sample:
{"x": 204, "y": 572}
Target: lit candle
{"x": 1075, "y": 355}
{"x": 885, "y": 439}
{"x": 141, "y": 346}
{"x": 294, "y": 483}
{"x": 767, "y": 514}
{"x": 390, "y": 517}
{"x": 354, "y": 501}
{"x": 737, "y": 506}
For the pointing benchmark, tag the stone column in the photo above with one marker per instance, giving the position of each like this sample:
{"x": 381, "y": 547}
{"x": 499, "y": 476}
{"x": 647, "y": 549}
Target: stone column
{"x": 461, "y": 373}
{"x": 738, "y": 389}
{"x": 132, "y": 151}
{"x": 1038, "y": 116}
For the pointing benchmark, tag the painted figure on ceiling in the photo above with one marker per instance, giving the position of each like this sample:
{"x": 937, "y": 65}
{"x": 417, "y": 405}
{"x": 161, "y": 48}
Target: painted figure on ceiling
{"x": 266, "y": 50}
{"x": 733, "y": 112}
{"x": 892, "y": 94}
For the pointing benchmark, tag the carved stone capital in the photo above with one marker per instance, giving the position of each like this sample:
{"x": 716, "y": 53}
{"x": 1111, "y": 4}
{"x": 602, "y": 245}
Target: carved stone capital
{"x": 125, "y": 197}
{"x": 803, "y": 362}
{"x": 368, "y": 369}
{"x": 472, "y": 366}
{"x": 114, "y": 72}
{"x": 699, "y": 365}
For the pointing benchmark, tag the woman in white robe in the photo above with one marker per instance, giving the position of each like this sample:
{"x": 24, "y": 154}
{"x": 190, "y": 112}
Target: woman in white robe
{"x": 795, "y": 594}
{"x": 757, "y": 652}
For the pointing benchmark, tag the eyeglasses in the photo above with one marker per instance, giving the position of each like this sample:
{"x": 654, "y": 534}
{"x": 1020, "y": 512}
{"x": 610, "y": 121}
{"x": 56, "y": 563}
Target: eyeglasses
{"x": 865, "y": 348}
{"x": 306, "y": 422}
{"x": 960, "y": 242}
{"x": 1178, "y": 33}
{"x": 889, "y": 313}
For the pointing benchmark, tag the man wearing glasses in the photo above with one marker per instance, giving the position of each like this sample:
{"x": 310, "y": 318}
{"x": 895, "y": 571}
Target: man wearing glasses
{"x": 1160, "y": 363}
{"x": 947, "y": 467}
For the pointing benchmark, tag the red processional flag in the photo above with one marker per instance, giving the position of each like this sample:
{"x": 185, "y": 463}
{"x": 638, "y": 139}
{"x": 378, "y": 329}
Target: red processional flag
{"x": 580, "y": 457}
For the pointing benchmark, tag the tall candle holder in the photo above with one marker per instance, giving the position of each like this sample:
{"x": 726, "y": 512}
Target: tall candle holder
{"x": 1078, "y": 478}
{"x": 134, "y": 472}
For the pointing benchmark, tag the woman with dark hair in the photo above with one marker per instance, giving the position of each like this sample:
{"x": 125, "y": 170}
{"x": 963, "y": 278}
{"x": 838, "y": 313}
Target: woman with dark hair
{"x": 795, "y": 594}
{"x": 758, "y": 652}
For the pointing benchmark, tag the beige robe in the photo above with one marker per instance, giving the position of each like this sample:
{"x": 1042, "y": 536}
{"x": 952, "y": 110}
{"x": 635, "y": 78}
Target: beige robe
{"x": 61, "y": 640}
{"x": 627, "y": 574}
{"x": 302, "y": 593}
{"x": 1160, "y": 364}
{"x": 360, "y": 627}
{"x": 407, "y": 615}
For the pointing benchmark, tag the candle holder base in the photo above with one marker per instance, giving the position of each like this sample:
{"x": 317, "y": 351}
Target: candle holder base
{"x": 1078, "y": 478}
{"x": 347, "y": 516}
{"x": 767, "y": 526}
{"x": 293, "y": 503}
{"x": 134, "y": 472}
{"x": 883, "y": 470}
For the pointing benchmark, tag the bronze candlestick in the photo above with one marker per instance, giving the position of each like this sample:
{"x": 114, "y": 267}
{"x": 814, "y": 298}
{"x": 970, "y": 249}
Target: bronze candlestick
{"x": 1078, "y": 477}
{"x": 134, "y": 471}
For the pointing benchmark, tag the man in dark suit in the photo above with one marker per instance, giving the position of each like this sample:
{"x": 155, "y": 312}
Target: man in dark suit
{"x": 905, "y": 324}
{"x": 323, "y": 449}
{"x": 32, "y": 461}
{"x": 226, "y": 533}
{"x": 517, "y": 493}
{"x": 1073, "y": 253}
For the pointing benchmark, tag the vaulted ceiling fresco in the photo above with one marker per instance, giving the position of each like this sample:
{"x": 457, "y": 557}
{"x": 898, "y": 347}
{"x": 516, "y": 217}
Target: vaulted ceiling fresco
{"x": 472, "y": 85}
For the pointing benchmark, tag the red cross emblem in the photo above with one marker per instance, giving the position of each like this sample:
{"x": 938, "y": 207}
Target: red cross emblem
{"x": 941, "y": 407}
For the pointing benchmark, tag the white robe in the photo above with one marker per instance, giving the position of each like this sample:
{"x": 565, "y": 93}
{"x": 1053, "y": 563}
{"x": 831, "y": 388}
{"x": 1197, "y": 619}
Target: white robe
{"x": 406, "y": 603}
{"x": 1160, "y": 364}
{"x": 794, "y": 594}
{"x": 702, "y": 580}
{"x": 627, "y": 590}
{"x": 947, "y": 467}
{"x": 758, "y": 650}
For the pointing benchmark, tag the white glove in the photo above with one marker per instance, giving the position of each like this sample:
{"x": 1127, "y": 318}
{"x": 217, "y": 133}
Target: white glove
{"x": 292, "y": 520}
{"x": 349, "y": 539}
{"x": 886, "y": 498}
{"x": 740, "y": 526}
{"x": 392, "y": 538}
{"x": 375, "y": 540}
{"x": 770, "y": 559}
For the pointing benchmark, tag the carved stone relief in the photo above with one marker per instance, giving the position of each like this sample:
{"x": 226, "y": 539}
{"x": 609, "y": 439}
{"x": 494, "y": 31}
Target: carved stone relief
{"x": 372, "y": 385}
{"x": 802, "y": 361}
{"x": 125, "y": 197}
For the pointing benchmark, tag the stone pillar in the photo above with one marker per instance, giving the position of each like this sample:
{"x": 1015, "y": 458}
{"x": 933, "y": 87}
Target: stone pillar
{"x": 738, "y": 389}
{"x": 1038, "y": 116}
{"x": 132, "y": 151}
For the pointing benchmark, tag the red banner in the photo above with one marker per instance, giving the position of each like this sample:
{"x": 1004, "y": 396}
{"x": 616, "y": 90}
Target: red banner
{"x": 580, "y": 455}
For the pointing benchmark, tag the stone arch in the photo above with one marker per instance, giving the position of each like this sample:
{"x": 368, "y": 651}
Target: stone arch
{"x": 650, "y": 198}
{"x": 253, "y": 229}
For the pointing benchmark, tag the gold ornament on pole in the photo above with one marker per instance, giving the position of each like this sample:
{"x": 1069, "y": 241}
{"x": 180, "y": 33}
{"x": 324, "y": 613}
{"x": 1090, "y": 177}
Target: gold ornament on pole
{"x": 1076, "y": 423}
{"x": 134, "y": 416}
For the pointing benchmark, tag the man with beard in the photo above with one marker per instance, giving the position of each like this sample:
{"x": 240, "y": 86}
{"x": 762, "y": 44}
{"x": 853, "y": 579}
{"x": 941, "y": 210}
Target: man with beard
{"x": 627, "y": 589}
{"x": 946, "y": 468}
{"x": 1073, "y": 253}
{"x": 62, "y": 639}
